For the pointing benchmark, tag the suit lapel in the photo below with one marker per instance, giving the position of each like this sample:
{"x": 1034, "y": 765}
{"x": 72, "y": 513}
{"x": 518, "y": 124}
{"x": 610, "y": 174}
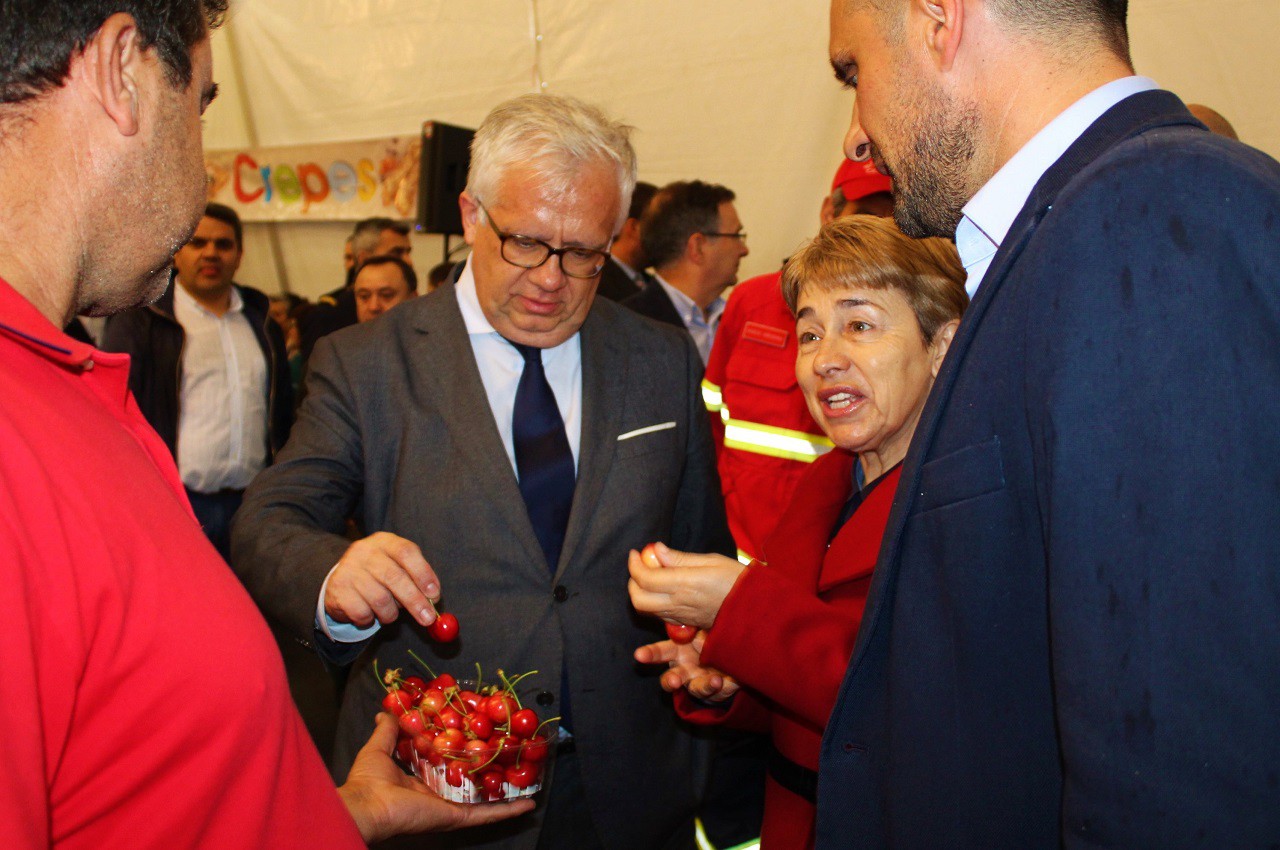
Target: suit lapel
{"x": 604, "y": 381}
{"x": 460, "y": 397}
{"x": 1134, "y": 115}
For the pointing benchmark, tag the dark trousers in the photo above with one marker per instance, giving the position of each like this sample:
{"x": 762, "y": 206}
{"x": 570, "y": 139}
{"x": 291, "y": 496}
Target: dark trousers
{"x": 214, "y": 511}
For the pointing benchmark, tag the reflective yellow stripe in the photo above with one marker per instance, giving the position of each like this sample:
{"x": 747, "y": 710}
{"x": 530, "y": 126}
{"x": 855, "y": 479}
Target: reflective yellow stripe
{"x": 700, "y": 837}
{"x": 711, "y": 396}
{"x": 744, "y": 558}
{"x": 775, "y": 442}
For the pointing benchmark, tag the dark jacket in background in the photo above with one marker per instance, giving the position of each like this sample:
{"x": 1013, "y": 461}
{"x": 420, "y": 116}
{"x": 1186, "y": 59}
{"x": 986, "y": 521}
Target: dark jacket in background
{"x": 653, "y": 301}
{"x": 153, "y": 338}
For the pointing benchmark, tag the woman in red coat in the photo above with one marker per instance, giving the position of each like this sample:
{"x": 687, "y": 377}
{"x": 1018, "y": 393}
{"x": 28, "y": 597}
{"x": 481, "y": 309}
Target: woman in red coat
{"x": 875, "y": 312}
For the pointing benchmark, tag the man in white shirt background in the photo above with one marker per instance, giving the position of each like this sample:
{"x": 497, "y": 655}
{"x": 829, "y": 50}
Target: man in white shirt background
{"x": 694, "y": 239}
{"x": 210, "y": 372}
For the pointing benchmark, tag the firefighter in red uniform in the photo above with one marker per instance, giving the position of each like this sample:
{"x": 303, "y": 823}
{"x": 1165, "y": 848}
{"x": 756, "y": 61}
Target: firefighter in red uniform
{"x": 765, "y": 436}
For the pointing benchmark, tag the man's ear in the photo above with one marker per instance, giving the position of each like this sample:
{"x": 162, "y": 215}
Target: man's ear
{"x": 470, "y": 217}
{"x": 695, "y": 247}
{"x": 112, "y": 66}
{"x": 944, "y": 21}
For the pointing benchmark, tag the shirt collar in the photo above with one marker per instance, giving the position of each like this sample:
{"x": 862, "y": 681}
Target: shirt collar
{"x": 21, "y": 320}
{"x": 991, "y": 212}
{"x": 630, "y": 272}
{"x": 688, "y": 308}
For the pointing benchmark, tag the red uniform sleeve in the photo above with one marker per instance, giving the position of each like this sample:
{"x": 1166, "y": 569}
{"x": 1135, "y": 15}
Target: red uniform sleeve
{"x": 743, "y": 711}
{"x": 763, "y": 621}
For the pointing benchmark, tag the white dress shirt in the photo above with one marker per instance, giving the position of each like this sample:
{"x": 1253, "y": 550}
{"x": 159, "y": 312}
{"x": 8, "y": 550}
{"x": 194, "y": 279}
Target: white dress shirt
{"x": 222, "y": 414}
{"x": 500, "y": 369}
{"x": 991, "y": 212}
{"x": 701, "y": 326}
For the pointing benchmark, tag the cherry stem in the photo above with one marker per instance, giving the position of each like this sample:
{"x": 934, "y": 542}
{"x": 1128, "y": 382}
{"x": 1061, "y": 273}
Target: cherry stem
{"x": 479, "y": 678}
{"x": 544, "y": 723}
{"x": 425, "y": 665}
{"x": 385, "y": 686}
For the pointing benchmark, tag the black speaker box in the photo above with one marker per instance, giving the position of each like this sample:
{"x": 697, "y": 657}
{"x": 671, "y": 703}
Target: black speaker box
{"x": 446, "y": 156}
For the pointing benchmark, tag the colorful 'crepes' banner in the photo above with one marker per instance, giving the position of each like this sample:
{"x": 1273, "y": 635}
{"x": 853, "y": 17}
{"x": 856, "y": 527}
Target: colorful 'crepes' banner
{"x": 339, "y": 181}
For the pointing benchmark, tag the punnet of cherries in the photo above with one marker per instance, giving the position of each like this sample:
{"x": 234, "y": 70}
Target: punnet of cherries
{"x": 470, "y": 742}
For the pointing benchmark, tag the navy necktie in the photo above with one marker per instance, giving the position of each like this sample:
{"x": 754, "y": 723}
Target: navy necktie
{"x": 544, "y": 462}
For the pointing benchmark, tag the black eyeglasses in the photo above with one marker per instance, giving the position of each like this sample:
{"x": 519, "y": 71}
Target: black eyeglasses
{"x": 529, "y": 253}
{"x": 739, "y": 235}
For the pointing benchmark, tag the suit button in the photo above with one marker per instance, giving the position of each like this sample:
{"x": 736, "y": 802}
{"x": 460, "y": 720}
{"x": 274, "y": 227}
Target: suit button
{"x": 849, "y": 747}
{"x": 560, "y": 593}
{"x": 545, "y": 698}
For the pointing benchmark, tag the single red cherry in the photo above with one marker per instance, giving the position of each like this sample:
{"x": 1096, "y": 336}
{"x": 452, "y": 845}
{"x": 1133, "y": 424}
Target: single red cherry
{"x": 455, "y": 774}
{"x": 492, "y": 781}
{"x": 413, "y": 723}
{"x": 433, "y": 700}
{"x": 498, "y": 707}
{"x": 470, "y": 699}
{"x": 450, "y": 718}
{"x": 444, "y": 629}
{"x": 523, "y": 775}
{"x": 681, "y": 634}
{"x": 536, "y": 749}
{"x": 398, "y": 702}
{"x": 479, "y": 725}
{"x": 444, "y": 682}
{"x": 524, "y": 723}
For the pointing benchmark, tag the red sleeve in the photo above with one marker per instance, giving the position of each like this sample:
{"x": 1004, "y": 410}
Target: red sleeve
{"x": 718, "y": 361}
{"x": 764, "y": 621}
{"x": 743, "y": 711}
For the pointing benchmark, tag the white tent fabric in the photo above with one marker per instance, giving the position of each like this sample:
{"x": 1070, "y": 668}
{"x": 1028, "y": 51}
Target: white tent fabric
{"x": 731, "y": 91}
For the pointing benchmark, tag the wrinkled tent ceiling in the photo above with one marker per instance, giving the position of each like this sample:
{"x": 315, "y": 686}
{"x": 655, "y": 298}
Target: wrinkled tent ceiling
{"x": 732, "y": 91}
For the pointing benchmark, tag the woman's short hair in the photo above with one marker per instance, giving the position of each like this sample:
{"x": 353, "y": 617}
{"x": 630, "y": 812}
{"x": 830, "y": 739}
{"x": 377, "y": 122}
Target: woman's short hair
{"x": 872, "y": 253}
{"x": 556, "y": 136}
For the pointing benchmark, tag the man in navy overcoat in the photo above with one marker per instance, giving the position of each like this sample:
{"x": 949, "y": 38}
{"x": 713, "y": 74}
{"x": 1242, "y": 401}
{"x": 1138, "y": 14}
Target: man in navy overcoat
{"x": 1073, "y": 633}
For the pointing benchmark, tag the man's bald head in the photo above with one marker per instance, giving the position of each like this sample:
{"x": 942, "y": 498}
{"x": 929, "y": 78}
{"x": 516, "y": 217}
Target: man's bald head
{"x": 1211, "y": 119}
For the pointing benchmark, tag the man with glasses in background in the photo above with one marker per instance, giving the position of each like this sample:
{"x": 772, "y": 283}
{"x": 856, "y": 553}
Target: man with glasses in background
{"x": 519, "y": 436}
{"x": 694, "y": 239}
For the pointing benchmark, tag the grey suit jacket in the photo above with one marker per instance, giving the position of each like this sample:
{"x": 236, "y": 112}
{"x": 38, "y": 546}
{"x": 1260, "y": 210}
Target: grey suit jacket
{"x": 396, "y": 429}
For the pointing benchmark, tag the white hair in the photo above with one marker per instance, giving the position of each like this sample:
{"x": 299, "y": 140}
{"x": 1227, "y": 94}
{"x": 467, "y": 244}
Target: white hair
{"x": 555, "y": 136}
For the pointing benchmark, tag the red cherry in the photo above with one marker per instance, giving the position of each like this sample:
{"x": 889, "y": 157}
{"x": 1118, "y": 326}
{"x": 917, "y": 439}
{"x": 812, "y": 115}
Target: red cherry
{"x": 449, "y": 742}
{"x": 498, "y": 707}
{"x": 492, "y": 781}
{"x": 398, "y": 702}
{"x": 470, "y": 699}
{"x": 444, "y": 629}
{"x": 413, "y": 723}
{"x": 433, "y": 700}
{"x": 524, "y": 723}
{"x": 522, "y": 776}
{"x": 536, "y": 749}
{"x": 479, "y": 725}
{"x": 444, "y": 682}
{"x": 451, "y": 718}
{"x": 681, "y": 634}
{"x": 507, "y": 747}
{"x": 454, "y": 774}
{"x": 404, "y": 750}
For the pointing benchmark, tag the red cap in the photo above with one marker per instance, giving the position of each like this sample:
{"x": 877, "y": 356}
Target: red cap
{"x": 859, "y": 179}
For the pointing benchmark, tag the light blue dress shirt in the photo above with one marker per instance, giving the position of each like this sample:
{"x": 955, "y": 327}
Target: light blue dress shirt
{"x": 702, "y": 327}
{"x": 500, "y": 369}
{"x": 990, "y": 213}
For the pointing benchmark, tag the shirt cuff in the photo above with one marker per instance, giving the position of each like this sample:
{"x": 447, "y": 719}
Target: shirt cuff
{"x": 340, "y": 632}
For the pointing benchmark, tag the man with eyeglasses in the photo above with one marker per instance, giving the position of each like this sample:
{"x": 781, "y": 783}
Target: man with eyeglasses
{"x": 694, "y": 238}
{"x": 519, "y": 436}
{"x": 210, "y": 372}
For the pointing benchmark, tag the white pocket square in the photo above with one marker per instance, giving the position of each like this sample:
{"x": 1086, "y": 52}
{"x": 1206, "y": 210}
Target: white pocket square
{"x": 640, "y": 432}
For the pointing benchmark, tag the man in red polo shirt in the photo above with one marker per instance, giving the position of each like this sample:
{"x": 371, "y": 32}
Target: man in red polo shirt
{"x": 143, "y": 702}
